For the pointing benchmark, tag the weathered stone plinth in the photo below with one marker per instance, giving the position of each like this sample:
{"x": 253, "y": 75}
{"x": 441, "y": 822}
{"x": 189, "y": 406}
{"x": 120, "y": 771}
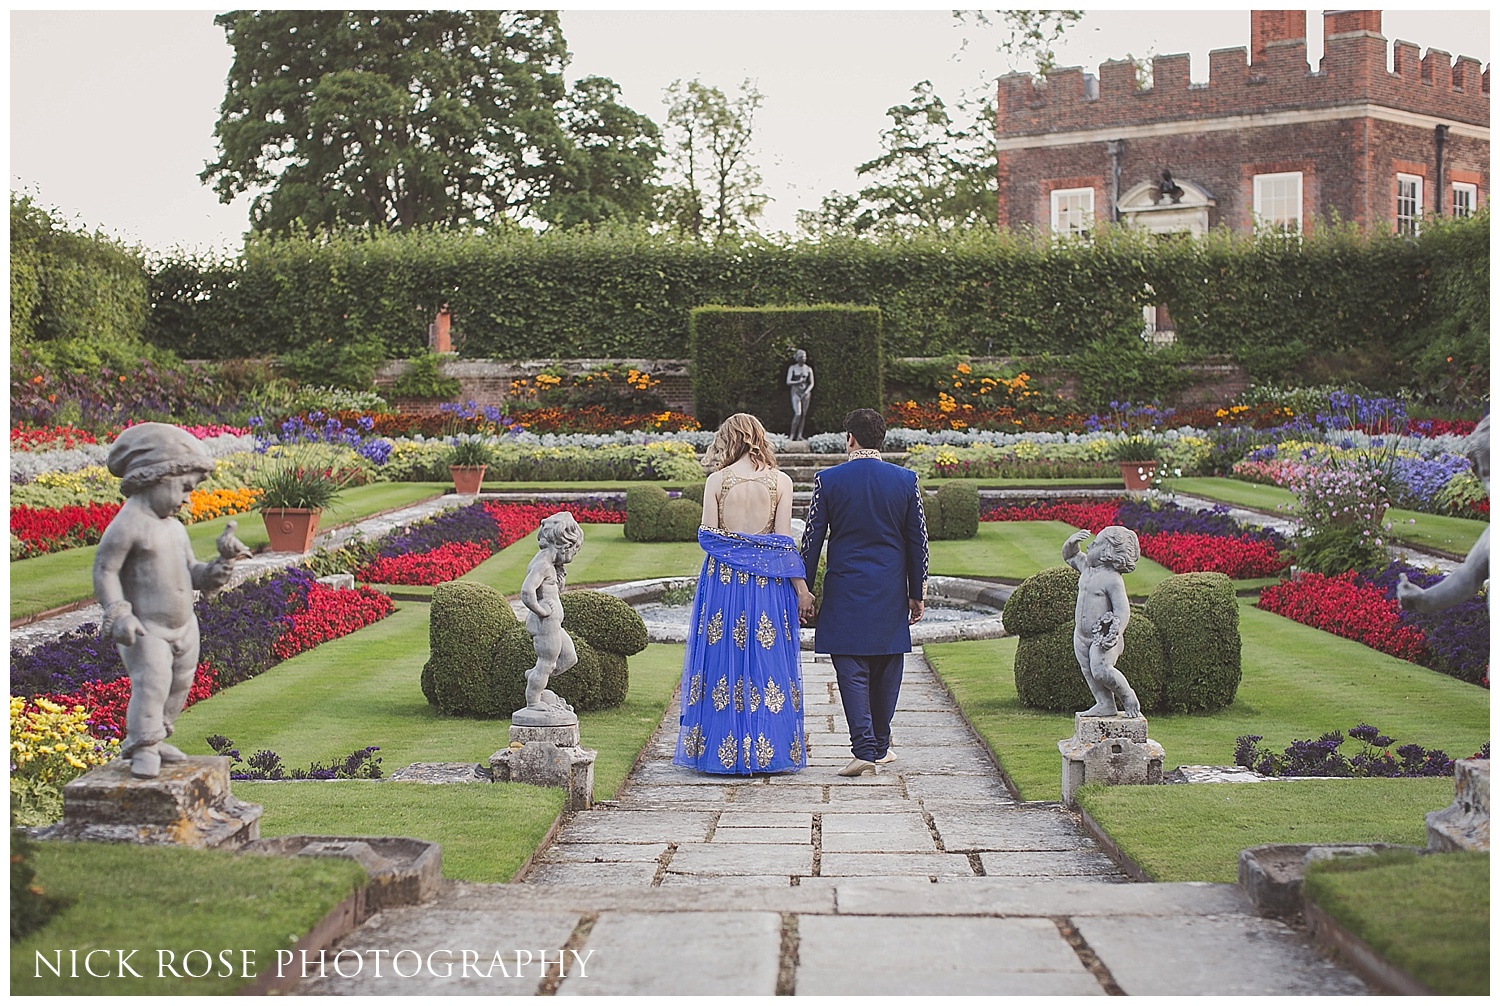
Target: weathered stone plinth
{"x": 403, "y": 871}
{"x": 188, "y": 804}
{"x": 548, "y": 756}
{"x": 1113, "y": 750}
{"x": 1464, "y": 824}
{"x": 1272, "y": 874}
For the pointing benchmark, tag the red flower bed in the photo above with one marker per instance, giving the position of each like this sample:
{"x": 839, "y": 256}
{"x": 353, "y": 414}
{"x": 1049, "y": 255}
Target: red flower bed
{"x": 48, "y": 438}
{"x": 1094, "y": 516}
{"x": 106, "y": 700}
{"x": 517, "y": 520}
{"x": 331, "y": 613}
{"x": 48, "y": 529}
{"x": 444, "y": 563}
{"x": 1347, "y": 606}
{"x": 1236, "y": 558}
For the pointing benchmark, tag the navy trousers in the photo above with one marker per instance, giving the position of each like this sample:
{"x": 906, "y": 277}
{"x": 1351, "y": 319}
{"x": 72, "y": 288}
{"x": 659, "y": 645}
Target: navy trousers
{"x": 869, "y": 685}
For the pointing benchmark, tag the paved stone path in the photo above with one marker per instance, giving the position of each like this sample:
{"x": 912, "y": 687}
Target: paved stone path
{"x": 925, "y": 879}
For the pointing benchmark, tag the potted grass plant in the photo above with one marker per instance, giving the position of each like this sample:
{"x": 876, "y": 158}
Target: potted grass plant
{"x": 468, "y": 457}
{"x": 1138, "y": 456}
{"x": 294, "y": 491}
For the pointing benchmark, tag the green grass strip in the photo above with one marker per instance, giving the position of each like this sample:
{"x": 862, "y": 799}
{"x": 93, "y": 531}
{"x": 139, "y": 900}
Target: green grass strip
{"x": 50, "y": 581}
{"x": 606, "y": 557}
{"x": 147, "y": 899}
{"x": 1196, "y": 832}
{"x": 1014, "y": 550}
{"x": 1298, "y": 683}
{"x": 1428, "y": 915}
{"x": 364, "y": 689}
{"x": 497, "y": 486}
{"x": 1422, "y": 530}
{"x": 1033, "y": 483}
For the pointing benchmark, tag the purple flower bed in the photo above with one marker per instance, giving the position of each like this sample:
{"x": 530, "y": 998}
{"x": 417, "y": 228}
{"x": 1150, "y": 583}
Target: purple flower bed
{"x": 1417, "y": 481}
{"x": 1323, "y": 759}
{"x": 320, "y": 429}
{"x": 1458, "y": 639}
{"x": 1169, "y": 518}
{"x": 266, "y": 766}
{"x": 237, "y": 628}
{"x": 470, "y": 523}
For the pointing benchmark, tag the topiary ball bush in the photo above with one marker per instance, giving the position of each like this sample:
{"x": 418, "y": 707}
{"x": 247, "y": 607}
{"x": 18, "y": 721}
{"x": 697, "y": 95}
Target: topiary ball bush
{"x": 504, "y": 688}
{"x": 465, "y": 621}
{"x": 693, "y": 491}
{"x": 643, "y": 507}
{"x": 954, "y": 511}
{"x": 606, "y": 622}
{"x": 679, "y": 520}
{"x": 1048, "y": 675}
{"x": 614, "y": 679}
{"x": 1199, "y": 621}
{"x": 1043, "y": 601}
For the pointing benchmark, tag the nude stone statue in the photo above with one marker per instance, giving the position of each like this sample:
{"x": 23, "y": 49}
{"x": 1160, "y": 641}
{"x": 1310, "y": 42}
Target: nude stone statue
{"x": 1464, "y": 582}
{"x": 799, "y": 377}
{"x": 558, "y": 541}
{"x": 144, "y": 577}
{"x": 1101, "y": 615}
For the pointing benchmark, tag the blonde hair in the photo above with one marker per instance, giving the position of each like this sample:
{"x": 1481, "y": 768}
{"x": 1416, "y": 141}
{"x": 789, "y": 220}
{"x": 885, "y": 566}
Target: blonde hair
{"x": 737, "y": 436}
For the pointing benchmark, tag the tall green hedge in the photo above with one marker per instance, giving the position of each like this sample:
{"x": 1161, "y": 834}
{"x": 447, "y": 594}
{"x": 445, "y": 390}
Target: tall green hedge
{"x": 627, "y": 293}
{"x": 69, "y": 284}
{"x": 740, "y": 356}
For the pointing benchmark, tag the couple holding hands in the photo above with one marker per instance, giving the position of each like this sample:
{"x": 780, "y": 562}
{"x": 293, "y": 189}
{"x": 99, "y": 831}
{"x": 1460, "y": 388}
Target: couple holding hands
{"x": 742, "y": 696}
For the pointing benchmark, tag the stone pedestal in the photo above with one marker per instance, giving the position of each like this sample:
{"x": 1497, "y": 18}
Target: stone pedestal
{"x": 1113, "y": 750}
{"x": 548, "y": 756}
{"x": 1464, "y": 824}
{"x": 188, "y": 804}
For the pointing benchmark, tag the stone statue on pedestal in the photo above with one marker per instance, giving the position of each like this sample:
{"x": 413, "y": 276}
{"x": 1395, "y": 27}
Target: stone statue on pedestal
{"x": 144, "y": 577}
{"x": 558, "y": 541}
{"x": 799, "y": 377}
{"x": 1101, "y": 614}
{"x": 1464, "y": 582}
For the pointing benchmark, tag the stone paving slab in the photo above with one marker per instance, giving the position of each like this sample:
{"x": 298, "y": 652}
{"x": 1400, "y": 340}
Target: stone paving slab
{"x": 646, "y": 795}
{"x": 505, "y": 898}
{"x": 371, "y": 950}
{"x": 707, "y": 953}
{"x": 596, "y": 852}
{"x": 763, "y": 836}
{"x": 637, "y": 826}
{"x": 967, "y": 789}
{"x": 676, "y": 880}
{"x": 917, "y": 839}
{"x": 741, "y": 860}
{"x": 1213, "y": 955}
{"x": 1072, "y": 897}
{"x": 1017, "y": 830}
{"x": 936, "y": 956}
{"x": 893, "y": 864}
{"x": 873, "y": 822}
{"x": 592, "y": 873}
{"x": 736, "y": 818}
{"x": 1047, "y": 864}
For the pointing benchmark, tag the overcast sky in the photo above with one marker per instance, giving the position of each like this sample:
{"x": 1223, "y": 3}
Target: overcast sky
{"x": 112, "y": 113}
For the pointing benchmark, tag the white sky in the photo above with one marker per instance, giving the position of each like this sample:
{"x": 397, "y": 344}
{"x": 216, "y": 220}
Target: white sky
{"x": 112, "y": 112}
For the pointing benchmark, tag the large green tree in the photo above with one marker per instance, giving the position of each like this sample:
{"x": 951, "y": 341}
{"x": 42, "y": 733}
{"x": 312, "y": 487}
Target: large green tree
{"x": 709, "y": 143}
{"x": 402, "y": 119}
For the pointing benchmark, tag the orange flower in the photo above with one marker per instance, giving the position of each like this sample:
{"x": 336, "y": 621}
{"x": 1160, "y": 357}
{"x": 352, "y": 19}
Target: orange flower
{"x": 38, "y": 378}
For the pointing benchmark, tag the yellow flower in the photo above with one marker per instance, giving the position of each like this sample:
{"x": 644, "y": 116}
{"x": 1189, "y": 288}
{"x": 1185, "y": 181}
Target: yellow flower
{"x": 963, "y": 368}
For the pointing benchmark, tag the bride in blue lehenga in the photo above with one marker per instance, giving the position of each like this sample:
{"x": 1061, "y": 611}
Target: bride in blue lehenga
{"x": 742, "y": 676}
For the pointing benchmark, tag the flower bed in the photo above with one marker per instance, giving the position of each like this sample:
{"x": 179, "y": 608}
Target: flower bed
{"x": 1237, "y": 558}
{"x": 53, "y": 529}
{"x": 452, "y": 543}
{"x": 1322, "y": 759}
{"x": 244, "y": 631}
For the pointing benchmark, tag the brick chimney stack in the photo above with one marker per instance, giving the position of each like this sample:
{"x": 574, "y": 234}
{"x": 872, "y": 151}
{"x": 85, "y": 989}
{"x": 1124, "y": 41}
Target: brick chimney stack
{"x": 1347, "y": 22}
{"x": 1268, "y": 27}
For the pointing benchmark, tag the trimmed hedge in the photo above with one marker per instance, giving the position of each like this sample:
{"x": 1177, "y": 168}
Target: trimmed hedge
{"x": 1182, "y": 647}
{"x": 953, "y": 511}
{"x": 621, "y": 293}
{"x": 1200, "y": 628}
{"x": 651, "y": 515}
{"x": 740, "y": 357}
{"x": 481, "y": 652}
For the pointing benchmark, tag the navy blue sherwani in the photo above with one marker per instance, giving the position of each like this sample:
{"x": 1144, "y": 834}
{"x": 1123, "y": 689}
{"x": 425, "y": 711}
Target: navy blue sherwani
{"x": 870, "y": 511}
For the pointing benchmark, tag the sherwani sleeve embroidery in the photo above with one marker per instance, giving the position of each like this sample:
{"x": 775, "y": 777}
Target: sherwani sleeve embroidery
{"x": 812, "y": 537}
{"x": 916, "y": 547}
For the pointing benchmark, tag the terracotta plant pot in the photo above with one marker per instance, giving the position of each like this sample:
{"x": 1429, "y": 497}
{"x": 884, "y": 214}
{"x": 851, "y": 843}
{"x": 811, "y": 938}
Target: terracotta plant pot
{"x": 1138, "y": 474}
{"x": 466, "y": 478}
{"x": 291, "y": 530}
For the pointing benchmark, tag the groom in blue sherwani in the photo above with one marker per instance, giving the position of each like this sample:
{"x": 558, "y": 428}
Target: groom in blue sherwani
{"x": 871, "y": 513}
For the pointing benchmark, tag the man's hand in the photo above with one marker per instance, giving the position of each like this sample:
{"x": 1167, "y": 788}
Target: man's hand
{"x": 805, "y": 605}
{"x": 917, "y": 607}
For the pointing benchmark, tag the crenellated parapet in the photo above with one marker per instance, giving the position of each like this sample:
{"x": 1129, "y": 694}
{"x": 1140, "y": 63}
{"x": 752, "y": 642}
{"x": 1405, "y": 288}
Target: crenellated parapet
{"x": 1271, "y": 75}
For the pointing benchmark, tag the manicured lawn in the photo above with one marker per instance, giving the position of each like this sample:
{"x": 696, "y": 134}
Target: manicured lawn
{"x": 1014, "y": 550}
{"x": 1196, "y": 832}
{"x": 606, "y": 557}
{"x": 1450, "y": 534}
{"x": 498, "y": 486}
{"x": 175, "y": 900}
{"x": 1439, "y": 934}
{"x": 1104, "y": 483}
{"x": 49, "y": 581}
{"x": 1298, "y": 683}
{"x": 365, "y": 689}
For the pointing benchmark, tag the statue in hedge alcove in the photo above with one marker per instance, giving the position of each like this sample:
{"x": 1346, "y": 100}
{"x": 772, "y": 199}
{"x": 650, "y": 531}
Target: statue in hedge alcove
{"x": 799, "y": 377}
{"x": 1101, "y": 616}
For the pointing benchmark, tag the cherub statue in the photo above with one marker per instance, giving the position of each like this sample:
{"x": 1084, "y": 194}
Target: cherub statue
{"x": 1464, "y": 582}
{"x": 558, "y": 541}
{"x": 144, "y": 577}
{"x": 799, "y": 377}
{"x": 1101, "y": 614}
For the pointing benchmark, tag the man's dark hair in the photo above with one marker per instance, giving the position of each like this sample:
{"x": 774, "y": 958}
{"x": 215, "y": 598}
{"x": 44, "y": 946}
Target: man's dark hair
{"x": 868, "y": 428}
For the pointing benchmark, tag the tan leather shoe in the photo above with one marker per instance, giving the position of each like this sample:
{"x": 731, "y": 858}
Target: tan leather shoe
{"x": 887, "y": 758}
{"x": 858, "y": 767}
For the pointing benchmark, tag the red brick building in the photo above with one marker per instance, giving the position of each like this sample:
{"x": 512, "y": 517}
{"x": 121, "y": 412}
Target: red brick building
{"x": 1264, "y": 141}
